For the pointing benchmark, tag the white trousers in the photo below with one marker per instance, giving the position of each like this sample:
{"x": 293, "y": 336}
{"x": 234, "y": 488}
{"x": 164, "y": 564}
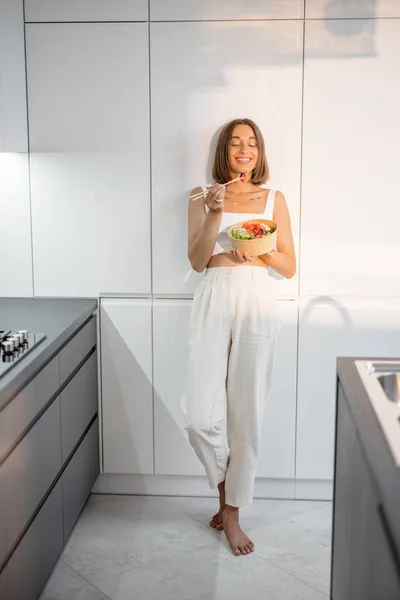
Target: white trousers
{"x": 233, "y": 340}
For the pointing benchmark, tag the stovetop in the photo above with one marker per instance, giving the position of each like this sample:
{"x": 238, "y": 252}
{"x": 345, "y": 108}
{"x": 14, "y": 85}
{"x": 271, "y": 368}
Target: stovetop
{"x": 15, "y": 345}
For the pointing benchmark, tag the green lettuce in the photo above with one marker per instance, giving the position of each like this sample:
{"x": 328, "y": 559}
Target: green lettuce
{"x": 241, "y": 234}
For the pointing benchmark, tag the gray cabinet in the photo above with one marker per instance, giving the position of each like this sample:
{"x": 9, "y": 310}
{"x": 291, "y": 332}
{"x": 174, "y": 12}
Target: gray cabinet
{"x": 78, "y": 405}
{"x": 79, "y": 477}
{"x": 76, "y": 350}
{"x": 30, "y": 565}
{"x": 19, "y": 414}
{"x": 49, "y": 461}
{"x": 30, "y": 470}
{"x": 364, "y": 564}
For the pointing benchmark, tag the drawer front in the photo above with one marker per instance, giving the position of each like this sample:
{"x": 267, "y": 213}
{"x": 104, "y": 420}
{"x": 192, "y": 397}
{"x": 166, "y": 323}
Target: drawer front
{"x": 30, "y": 566}
{"x": 76, "y": 350}
{"x": 29, "y": 471}
{"x": 16, "y": 417}
{"x": 79, "y": 478}
{"x": 79, "y": 401}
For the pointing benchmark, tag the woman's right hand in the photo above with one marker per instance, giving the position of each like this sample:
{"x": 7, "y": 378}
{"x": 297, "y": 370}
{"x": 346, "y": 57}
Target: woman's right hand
{"x": 215, "y": 198}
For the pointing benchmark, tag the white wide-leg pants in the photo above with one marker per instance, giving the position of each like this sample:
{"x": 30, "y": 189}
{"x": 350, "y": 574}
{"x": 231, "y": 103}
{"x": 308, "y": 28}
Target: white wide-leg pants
{"x": 233, "y": 341}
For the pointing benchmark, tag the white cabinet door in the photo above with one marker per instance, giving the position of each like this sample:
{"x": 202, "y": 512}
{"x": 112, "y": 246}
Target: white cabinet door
{"x": 85, "y": 10}
{"x": 13, "y": 121}
{"x": 212, "y": 10}
{"x": 89, "y": 138}
{"x": 173, "y": 455}
{"x": 202, "y": 75}
{"x": 127, "y": 397}
{"x": 350, "y": 210}
{"x": 277, "y": 454}
{"x": 15, "y": 224}
{"x": 356, "y": 9}
{"x": 328, "y": 329}
{"x": 172, "y": 452}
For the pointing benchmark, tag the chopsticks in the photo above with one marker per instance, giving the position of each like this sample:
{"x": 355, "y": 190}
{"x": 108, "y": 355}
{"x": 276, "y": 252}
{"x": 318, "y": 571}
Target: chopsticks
{"x": 200, "y": 194}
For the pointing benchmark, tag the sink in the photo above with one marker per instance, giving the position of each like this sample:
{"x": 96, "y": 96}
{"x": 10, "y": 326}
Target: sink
{"x": 390, "y": 383}
{"x": 383, "y": 367}
{"x": 381, "y": 379}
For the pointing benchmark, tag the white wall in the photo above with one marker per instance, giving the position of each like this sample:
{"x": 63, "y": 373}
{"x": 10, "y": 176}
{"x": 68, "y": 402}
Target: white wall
{"x": 123, "y": 116}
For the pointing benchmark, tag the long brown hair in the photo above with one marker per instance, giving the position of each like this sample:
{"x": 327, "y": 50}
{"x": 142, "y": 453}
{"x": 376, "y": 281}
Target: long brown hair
{"x": 220, "y": 170}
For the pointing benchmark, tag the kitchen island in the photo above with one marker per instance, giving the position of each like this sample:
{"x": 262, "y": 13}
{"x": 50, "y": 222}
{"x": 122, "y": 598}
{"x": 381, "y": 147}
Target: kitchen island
{"x": 49, "y": 439}
{"x": 366, "y": 512}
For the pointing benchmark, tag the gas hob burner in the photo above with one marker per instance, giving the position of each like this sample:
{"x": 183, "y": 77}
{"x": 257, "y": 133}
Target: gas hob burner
{"x": 15, "y": 345}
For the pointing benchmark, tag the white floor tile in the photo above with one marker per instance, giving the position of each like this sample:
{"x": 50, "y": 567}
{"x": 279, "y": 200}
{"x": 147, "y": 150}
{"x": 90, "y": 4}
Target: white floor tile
{"x": 65, "y": 584}
{"x": 209, "y": 573}
{"x": 300, "y": 545}
{"x": 118, "y": 533}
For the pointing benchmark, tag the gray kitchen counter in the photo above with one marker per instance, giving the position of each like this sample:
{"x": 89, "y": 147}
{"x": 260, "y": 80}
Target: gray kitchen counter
{"x": 384, "y": 471}
{"x": 59, "y": 319}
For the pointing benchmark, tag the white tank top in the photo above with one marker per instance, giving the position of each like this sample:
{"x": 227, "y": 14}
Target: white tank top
{"x": 223, "y": 243}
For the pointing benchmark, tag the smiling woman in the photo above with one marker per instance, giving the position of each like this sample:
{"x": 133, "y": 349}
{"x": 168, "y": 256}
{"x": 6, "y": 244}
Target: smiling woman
{"x": 235, "y": 329}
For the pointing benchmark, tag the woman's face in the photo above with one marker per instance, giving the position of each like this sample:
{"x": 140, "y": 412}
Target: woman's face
{"x": 243, "y": 151}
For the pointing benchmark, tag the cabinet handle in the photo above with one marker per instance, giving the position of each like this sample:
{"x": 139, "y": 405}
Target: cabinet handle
{"x": 389, "y": 537}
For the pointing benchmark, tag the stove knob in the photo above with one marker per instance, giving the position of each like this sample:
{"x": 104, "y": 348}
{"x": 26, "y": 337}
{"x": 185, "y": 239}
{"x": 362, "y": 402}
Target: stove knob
{"x": 25, "y": 334}
{"x": 20, "y": 337}
{"x": 15, "y": 341}
{"x": 8, "y": 346}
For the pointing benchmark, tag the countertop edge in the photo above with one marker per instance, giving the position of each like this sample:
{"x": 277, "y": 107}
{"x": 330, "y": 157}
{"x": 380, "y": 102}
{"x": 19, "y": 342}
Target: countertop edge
{"x": 41, "y": 357}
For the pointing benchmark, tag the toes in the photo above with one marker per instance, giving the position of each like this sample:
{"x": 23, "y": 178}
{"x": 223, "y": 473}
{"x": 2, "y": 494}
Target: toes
{"x": 219, "y": 527}
{"x": 236, "y": 551}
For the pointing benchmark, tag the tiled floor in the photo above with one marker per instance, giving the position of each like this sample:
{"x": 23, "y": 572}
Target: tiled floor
{"x": 136, "y": 548}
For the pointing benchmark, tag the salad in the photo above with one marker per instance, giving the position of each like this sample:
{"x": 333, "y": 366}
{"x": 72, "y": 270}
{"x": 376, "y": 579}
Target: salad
{"x": 250, "y": 231}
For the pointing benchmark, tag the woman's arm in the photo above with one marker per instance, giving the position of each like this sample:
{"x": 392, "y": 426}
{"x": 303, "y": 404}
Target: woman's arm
{"x": 203, "y": 229}
{"x": 284, "y": 260}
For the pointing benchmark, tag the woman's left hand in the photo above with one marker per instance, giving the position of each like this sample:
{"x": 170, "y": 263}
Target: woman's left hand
{"x": 239, "y": 256}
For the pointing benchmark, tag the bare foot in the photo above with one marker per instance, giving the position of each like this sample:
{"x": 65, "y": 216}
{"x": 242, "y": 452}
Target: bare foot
{"x": 216, "y": 521}
{"x": 238, "y": 540}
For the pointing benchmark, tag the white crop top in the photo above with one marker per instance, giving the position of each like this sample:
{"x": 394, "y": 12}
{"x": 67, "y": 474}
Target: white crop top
{"x": 223, "y": 243}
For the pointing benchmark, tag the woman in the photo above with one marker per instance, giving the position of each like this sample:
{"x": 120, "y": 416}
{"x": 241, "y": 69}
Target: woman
{"x": 234, "y": 327}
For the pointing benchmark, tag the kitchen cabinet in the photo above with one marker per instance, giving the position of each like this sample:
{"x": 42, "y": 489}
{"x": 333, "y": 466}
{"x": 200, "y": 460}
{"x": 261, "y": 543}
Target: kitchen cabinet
{"x": 173, "y": 455}
{"x": 364, "y": 561}
{"x": 201, "y": 79}
{"x": 30, "y": 470}
{"x": 213, "y": 10}
{"x": 329, "y": 328}
{"x": 13, "y": 122}
{"x": 79, "y": 478}
{"x": 88, "y": 86}
{"x": 31, "y": 564}
{"x": 127, "y": 397}
{"x": 85, "y": 10}
{"x": 49, "y": 460}
{"x": 349, "y": 219}
{"x": 15, "y": 266}
{"x": 337, "y": 9}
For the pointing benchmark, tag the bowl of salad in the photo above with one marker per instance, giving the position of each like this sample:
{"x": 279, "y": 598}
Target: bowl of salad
{"x": 256, "y": 237}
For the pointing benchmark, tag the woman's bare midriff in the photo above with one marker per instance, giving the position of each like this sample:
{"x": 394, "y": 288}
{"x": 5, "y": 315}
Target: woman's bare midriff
{"x": 227, "y": 260}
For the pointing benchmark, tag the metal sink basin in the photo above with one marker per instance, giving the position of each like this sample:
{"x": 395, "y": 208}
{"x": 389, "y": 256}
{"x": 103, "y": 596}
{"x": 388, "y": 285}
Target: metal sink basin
{"x": 383, "y": 367}
{"x": 381, "y": 379}
{"x": 390, "y": 383}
